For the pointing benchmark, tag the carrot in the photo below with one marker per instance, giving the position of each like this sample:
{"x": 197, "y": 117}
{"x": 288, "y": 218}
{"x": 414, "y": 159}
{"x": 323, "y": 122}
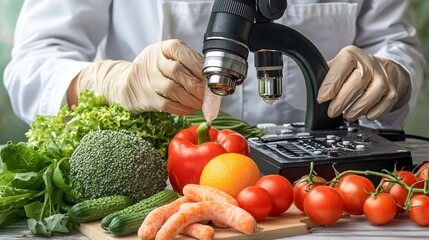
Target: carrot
{"x": 199, "y": 231}
{"x": 157, "y": 217}
{"x": 199, "y": 193}
{"x": 224, "y": 212}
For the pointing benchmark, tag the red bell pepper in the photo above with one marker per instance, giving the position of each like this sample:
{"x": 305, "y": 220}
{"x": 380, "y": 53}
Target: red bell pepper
{"x": 191, "y": 149}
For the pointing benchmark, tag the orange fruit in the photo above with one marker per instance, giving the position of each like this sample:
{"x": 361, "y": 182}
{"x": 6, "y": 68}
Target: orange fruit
{"x": 230, "y": 172}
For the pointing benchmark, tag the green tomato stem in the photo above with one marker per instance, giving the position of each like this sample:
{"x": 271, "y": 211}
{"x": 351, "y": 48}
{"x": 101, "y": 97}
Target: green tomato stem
{"x": 390, "y": 177}
{"x": 426, "y": 183}
{"x": 312, "y": 177}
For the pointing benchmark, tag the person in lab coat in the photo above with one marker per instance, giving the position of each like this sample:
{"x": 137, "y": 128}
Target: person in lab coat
{"x": 149, "y": 59}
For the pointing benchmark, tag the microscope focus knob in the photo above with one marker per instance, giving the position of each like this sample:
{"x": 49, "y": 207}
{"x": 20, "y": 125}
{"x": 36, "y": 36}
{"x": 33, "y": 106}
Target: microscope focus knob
{"x": 272, "y": 9}
{"x": 277, "y": 6}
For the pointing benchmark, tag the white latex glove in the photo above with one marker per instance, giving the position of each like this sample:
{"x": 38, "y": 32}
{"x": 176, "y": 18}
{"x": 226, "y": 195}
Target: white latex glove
{"x": 359, "y": 83}
{"x": 164, "y": 77}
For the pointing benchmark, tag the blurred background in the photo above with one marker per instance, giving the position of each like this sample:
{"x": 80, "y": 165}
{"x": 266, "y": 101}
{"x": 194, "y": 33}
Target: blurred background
{"x": 418, "y": 122}
{"x": 12, "y": 128}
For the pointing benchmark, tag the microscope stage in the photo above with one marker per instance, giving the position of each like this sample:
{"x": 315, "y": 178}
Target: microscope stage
{"x": 288, "y": 150}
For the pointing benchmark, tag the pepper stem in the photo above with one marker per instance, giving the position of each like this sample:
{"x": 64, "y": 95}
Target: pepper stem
{"x": 203, "y": 133}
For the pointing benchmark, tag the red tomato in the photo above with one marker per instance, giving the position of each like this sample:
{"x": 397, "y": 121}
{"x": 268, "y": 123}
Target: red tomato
{"x": 380, "y": 209}
{"x": 423, "y": 171}
{"x": 256, "y": 201}
{"x": 419, "y": 211}
{"x": 323, "y": 205}
{"x": 354, "y": 190}
{"x": 301, "y": 189}
{"x": 399, "y": 193}
{"x": 281, "y": 192}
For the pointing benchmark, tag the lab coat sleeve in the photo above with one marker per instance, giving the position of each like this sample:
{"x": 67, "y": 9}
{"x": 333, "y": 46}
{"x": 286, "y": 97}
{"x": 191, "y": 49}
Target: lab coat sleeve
{"x": 385, "y": 30}
{"x": 53, "y": 41}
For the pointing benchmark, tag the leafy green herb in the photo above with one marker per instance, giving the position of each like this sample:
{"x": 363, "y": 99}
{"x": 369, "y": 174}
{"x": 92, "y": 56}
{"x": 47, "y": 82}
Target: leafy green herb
{"x": 27, "y": 190}
{"x": 45, "y": 218}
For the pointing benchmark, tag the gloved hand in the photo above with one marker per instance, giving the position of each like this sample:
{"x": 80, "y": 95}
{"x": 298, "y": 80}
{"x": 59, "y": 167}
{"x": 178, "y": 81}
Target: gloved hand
{"x": 362, "y": 84}
{"x": 164, "y": 77}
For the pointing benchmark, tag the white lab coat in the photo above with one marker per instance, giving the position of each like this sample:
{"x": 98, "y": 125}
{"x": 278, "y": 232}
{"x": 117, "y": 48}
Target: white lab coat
{"x": 55, "y": 39}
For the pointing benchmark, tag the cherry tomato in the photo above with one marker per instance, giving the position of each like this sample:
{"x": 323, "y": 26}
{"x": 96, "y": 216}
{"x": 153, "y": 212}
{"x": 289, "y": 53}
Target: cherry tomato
{"x": 281, "y": 192}
{"x": 256, "y": 201}
{"x": 419, "y": 211}
{"x": 380, "y": 209}
{"x": 399, "y": 193}
{"x": 423, "y": 171}
{"x": 323, "y": 205}
{"x": 301, "y": 189}
{"x": 354, "y": 190}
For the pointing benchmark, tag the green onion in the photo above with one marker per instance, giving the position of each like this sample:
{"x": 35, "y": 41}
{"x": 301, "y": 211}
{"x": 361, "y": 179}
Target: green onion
{"x": 226, "y": 121}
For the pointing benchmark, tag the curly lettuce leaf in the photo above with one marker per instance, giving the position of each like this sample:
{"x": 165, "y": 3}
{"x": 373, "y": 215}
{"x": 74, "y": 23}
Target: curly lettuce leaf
{"x": 69, "y": 126}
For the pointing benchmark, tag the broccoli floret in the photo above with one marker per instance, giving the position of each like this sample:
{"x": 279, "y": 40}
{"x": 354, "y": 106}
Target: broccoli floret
{"x": 108, "y": 162}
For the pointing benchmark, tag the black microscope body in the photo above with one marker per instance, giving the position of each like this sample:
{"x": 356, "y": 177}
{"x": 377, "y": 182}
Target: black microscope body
{"x": 237, "y": 27}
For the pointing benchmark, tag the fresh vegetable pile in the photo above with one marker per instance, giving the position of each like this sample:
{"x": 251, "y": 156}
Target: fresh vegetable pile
{"x": 197, "y": 204}
{"x": 353, "y": 193}
{"x": 42, "y": 178}
{"x": 192, "y": 148}
{"x": 324, "y": 202}
{"x": 100, "y": 162}
{"x": 34, "y": 177}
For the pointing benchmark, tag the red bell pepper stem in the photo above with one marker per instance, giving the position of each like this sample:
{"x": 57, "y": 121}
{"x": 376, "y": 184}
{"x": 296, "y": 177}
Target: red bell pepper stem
{"x": 203, "y": 133}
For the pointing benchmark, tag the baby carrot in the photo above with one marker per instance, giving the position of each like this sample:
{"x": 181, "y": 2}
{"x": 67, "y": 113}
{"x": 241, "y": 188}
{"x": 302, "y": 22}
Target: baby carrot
{"x": 199, "y": 193}
{"x": 199, "y": 231}
{"x": 224, "y": 212}
{"x": 157, "y": 217}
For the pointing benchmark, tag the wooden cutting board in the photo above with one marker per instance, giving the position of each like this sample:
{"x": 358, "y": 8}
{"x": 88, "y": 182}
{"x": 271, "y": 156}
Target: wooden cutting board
{"x": 291, "y": 223}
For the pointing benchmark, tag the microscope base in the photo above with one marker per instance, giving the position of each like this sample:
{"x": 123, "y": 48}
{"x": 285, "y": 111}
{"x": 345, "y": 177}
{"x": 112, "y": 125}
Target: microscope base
{"x": 288, "y": 150}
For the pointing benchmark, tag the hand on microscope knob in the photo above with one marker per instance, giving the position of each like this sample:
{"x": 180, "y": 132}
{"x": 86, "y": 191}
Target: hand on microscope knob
{"x": 359, "y": 83}
{"x": 164, "y": 77}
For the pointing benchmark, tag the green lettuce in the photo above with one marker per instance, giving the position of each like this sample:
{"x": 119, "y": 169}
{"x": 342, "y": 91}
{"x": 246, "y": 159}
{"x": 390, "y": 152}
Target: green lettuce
{"x": 69, "y": 126}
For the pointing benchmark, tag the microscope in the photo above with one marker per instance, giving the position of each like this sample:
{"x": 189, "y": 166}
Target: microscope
{"x": 237, "y": 27}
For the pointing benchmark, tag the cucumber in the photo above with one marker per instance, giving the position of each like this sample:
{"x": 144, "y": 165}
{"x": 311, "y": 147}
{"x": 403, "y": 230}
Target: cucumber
{"x": 98, "y": 208}
{"x": 128, "y": 224}
{"x": 128, "y": 220}
{"x": 105, "y": 222}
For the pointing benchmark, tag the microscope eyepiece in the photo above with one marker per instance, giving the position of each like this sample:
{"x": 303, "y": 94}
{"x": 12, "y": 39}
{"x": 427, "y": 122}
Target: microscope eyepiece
{"x": 225, "y": 45}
